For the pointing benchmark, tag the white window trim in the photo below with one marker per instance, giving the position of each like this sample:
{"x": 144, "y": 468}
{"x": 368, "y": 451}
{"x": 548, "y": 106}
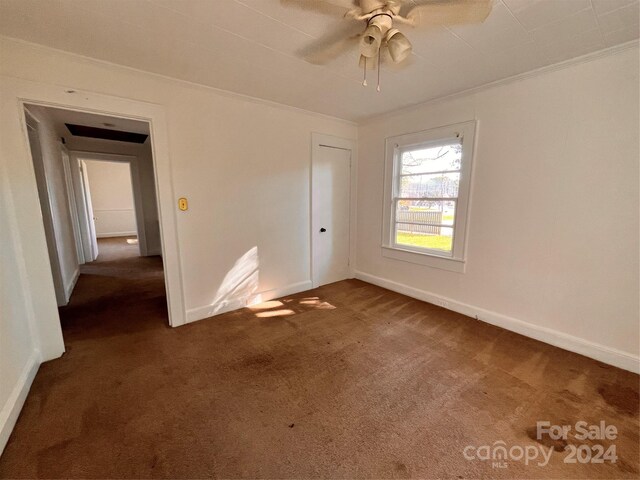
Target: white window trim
{"x": 454, "y": 261}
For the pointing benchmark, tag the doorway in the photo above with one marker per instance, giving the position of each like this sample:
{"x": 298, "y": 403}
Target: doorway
{"x": 118, "y": 199}
{"x": 25, "y": 214}
{"x": 331, "y": 209}
{"x": 97, "y": 192}
{"x": 111, "y": 193}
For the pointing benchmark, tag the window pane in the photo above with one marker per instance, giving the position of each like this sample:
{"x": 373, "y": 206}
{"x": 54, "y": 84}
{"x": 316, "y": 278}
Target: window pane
{"x": 434, "y": 159}
{"x": 442, "y": 239}
{"x": 425, "y": 211}
{"x": 443, "y": 185}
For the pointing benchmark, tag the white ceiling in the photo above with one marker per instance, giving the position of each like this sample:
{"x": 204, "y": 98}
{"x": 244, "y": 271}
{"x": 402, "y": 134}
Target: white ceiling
{"x": 249, "y": 46}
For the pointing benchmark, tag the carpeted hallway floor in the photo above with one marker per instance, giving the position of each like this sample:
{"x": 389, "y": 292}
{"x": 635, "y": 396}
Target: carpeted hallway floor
{"x": 344, "y": 381}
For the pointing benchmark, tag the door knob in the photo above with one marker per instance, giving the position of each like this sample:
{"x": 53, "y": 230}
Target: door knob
{"x": 322, "y": 230}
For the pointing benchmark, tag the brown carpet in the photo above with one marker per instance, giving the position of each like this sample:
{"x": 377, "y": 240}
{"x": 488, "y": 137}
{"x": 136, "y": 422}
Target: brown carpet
{"x": 344, "y": 381}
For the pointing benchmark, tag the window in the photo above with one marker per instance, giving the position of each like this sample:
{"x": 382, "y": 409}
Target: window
{"x": 426, "y": 196}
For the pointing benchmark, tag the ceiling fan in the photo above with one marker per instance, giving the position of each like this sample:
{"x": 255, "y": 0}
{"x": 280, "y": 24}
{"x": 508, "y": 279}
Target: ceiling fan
{"x": 378, "y": 39}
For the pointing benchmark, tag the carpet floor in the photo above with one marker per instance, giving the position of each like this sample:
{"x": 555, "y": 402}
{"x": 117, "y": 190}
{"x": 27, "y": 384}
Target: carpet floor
{"x": 345, "y": 381}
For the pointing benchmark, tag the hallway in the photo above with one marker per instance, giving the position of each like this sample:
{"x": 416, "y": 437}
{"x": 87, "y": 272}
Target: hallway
{"x": 117, "y": 294}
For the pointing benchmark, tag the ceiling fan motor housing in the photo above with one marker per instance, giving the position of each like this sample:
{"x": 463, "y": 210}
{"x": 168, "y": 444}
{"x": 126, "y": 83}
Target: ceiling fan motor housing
{"x": 369, "y": 6}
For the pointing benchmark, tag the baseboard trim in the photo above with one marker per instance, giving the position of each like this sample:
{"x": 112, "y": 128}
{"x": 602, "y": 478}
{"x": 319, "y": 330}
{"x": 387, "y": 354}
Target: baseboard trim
{"x": 68, "y": 288}
{"x": 117, "y": 234}
{"x": 235, "y": 303}
{"x": 13, "y": 405}
{"x": 602, "y": 353}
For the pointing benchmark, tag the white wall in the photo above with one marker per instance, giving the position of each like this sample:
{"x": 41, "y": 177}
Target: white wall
{"x": 112, "y": 198}
{"x": 243, "y": 164}
{"x": 553, "y": 234}
{"x": 58, "y": 202}
{"x": 18, "y": 344}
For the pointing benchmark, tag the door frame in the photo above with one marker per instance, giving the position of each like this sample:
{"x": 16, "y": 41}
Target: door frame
{"x": 319, "y": 140}
{"x": 16, "y": 161}
{"x": 132, "y": 161}
{"x": 73, "y": 207}
{"x": 89, "y": 238}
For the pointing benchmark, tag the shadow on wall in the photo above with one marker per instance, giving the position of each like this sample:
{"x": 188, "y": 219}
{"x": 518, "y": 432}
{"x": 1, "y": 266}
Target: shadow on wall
{"x": 239, "y": 289}
{"x": 240, "y": 284}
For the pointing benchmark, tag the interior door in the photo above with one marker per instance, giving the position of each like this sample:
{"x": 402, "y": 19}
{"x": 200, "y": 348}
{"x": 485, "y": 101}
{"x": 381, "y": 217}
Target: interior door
{"x": 47, "y": 216}
{"x": 331, "y": 193}
{"x": 91, "y": 221}
{"x": 73, "y": 208}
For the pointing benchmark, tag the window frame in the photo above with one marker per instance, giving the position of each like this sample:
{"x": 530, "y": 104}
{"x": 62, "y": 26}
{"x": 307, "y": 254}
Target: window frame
{"x": 395, "y": 146}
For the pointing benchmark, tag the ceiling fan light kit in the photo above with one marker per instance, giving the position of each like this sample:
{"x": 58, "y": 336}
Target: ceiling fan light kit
{"x": 371, "y": 41}
{"x": 399, "y": 46}
{"x": 379, "y": 32}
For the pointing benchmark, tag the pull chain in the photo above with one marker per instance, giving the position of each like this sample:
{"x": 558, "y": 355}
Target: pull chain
{"x": 378, "y": 88}
{"x": 364, "y": 81}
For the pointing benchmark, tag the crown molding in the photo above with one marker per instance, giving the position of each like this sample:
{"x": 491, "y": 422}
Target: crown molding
{"x": 609, "y": 51}
{"x": 606, "y": 52}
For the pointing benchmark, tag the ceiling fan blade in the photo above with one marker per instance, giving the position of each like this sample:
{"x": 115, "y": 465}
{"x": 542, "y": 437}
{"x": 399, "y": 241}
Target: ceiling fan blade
{"x": 332, "y": 45}
{"x": 450, "y": 12}
{"x": 328, "y": 7}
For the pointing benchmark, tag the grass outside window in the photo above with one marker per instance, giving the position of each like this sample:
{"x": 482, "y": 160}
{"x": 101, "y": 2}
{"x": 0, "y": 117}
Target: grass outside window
{"x": 434, "y": 242}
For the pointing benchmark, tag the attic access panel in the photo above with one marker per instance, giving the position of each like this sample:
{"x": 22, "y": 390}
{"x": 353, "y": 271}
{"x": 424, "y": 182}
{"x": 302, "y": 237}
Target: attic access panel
{"x": 106, "y": 134}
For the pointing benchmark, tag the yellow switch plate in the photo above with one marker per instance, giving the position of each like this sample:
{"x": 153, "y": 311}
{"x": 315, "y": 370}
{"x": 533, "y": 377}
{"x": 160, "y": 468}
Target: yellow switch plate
{"x": 183, "y": 204}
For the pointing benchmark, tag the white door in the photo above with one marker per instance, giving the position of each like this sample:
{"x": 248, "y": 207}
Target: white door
{"x": 45, "y": 205}
{"x": 330, "y": 203}
{"x": 91, "y": 221}
{"x": 73, "y": 208}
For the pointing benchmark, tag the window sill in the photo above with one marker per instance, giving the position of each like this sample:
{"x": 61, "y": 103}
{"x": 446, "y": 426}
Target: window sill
{"x": 429, "y": 260}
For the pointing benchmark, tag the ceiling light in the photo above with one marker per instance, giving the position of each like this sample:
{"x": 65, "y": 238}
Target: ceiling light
{"x": 399, "y": 46}
{"x": 381, "y": 16}
{"x": 370, "y": 41}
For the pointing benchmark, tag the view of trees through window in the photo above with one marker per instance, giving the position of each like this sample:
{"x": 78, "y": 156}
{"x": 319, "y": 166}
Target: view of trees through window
{"x": 427, "y": 192}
